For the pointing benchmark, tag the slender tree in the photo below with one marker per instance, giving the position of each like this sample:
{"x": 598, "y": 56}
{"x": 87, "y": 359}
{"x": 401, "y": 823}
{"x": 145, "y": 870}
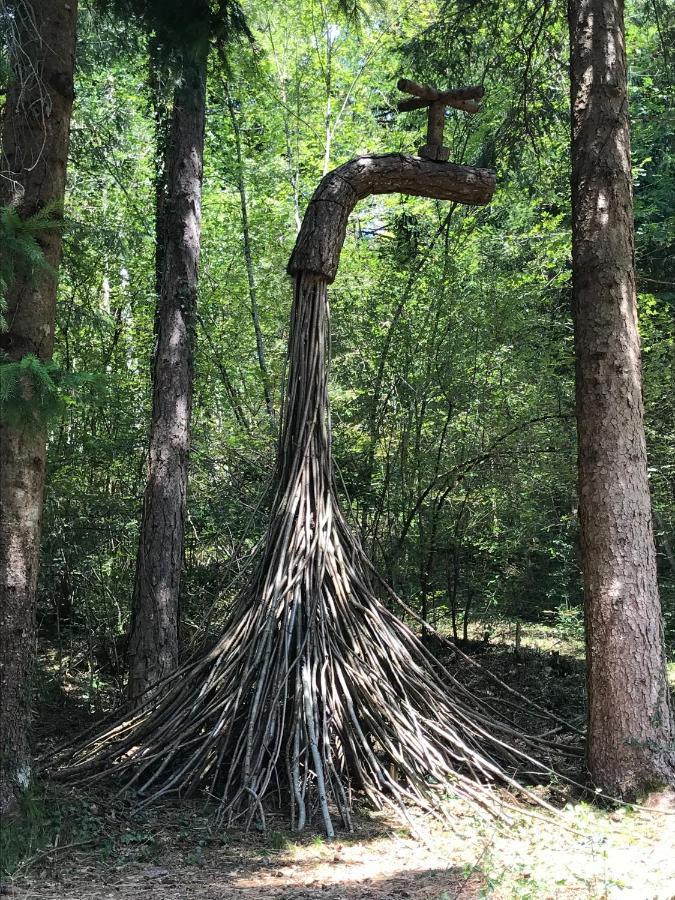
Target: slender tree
{"x": 181, "y": 35}
{"x": 248, "y": 259}
{"x": 631, "y": 736}
{"x": 153, "y": 648}
{"x": 40, "y": 38}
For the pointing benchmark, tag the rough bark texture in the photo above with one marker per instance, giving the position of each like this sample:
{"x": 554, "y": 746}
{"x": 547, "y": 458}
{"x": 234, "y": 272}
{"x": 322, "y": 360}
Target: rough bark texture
{"x": 35, "y": 130}
{"x": 159, "y": 81}
{"x": 153, "y": 645}
{"x": 630, "y": 734}
{"x": 318, "y": 246}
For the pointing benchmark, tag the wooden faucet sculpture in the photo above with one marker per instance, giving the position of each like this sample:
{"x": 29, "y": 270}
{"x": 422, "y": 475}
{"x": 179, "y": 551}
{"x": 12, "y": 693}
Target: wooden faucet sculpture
{"x": 315, "y": 692}
{"x": 466, "y": 99}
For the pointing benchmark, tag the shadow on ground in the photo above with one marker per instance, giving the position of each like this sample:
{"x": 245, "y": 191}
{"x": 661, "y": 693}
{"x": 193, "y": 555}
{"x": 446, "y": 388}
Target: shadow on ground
{"x": 176, "y": 853}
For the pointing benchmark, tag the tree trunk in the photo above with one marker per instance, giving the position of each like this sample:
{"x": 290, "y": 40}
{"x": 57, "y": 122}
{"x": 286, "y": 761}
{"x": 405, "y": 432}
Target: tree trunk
{"x": 35, "y": 129}
{"x": 159, "y": 81}
{"x": 153, "y": 645}
{"x": 630, "y": 727}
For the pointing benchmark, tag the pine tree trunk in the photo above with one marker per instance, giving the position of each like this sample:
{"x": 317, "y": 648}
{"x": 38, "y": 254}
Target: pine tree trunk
{"x": 35, "y": 129}
{"x": 630, "y": 729}
{"x": 153, "y": 646}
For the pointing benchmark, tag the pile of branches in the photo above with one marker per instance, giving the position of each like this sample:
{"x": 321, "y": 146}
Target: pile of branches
{"x": 315, "y": 691}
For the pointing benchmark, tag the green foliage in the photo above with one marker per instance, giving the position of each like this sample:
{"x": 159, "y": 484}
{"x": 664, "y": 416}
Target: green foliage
{"x": 452, "y": 379}
{"x": 20, "y": 250}
{"x": 33, "y": 392}
{"x": 277, "y": 840}
{"x": 44, "y": 820}
{"x": 183, "y": 25}
{"x": 5, "y": 71}
{"x": 570, "y": 622}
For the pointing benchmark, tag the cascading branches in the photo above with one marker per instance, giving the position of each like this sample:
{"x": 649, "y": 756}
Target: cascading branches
{"x": 315, "y": 691}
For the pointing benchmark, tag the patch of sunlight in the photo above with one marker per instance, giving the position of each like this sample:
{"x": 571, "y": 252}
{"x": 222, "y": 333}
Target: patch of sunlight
{"x": 561, "y": 634}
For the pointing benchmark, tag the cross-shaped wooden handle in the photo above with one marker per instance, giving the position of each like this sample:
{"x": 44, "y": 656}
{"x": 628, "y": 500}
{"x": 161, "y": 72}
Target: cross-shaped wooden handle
{"x": 424, "y": 95}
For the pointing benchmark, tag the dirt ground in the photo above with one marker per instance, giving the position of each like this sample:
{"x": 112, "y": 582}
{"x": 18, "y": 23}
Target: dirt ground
{"x": 91, "y": 847}
{"x": 175, "y": 851}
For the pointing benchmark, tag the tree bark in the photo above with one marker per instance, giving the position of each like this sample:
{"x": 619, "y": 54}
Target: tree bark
{"x": 324, "y": 227}
{"x": 35, "y": 131}
{"x": 159, "y": 81}
{"x": 153, "y": 644}
{"x": 630, "y": 727}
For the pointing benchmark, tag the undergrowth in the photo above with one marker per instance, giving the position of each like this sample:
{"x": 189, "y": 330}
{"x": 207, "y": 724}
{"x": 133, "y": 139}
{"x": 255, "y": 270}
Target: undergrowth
{"x": 46, "y": 821}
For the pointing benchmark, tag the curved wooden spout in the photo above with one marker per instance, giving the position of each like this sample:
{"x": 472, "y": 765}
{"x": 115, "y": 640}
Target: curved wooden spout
{"x": 317, "y": 248}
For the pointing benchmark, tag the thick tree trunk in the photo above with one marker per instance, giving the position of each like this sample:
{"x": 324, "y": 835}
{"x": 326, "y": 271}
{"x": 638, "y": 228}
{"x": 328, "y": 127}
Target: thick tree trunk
{"x": 35, "y": 129}
{"x": 153, "y": 646}
{"x": 159, "y": 81}
{"x": 630, "y": 730}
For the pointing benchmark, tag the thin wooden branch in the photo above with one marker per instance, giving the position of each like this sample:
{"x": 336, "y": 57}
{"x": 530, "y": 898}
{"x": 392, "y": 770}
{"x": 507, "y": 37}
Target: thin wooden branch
{"x": 430, "y": 94}
{"x": 465, "y": 98}
{"x": 412, "y": 103}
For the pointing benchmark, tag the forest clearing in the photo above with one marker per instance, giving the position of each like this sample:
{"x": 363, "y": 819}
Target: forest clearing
{"x": 337, "y": 449}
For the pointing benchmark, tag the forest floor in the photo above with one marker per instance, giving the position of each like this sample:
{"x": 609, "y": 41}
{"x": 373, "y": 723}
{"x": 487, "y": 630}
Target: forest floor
{"x": 87, "y": 846}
